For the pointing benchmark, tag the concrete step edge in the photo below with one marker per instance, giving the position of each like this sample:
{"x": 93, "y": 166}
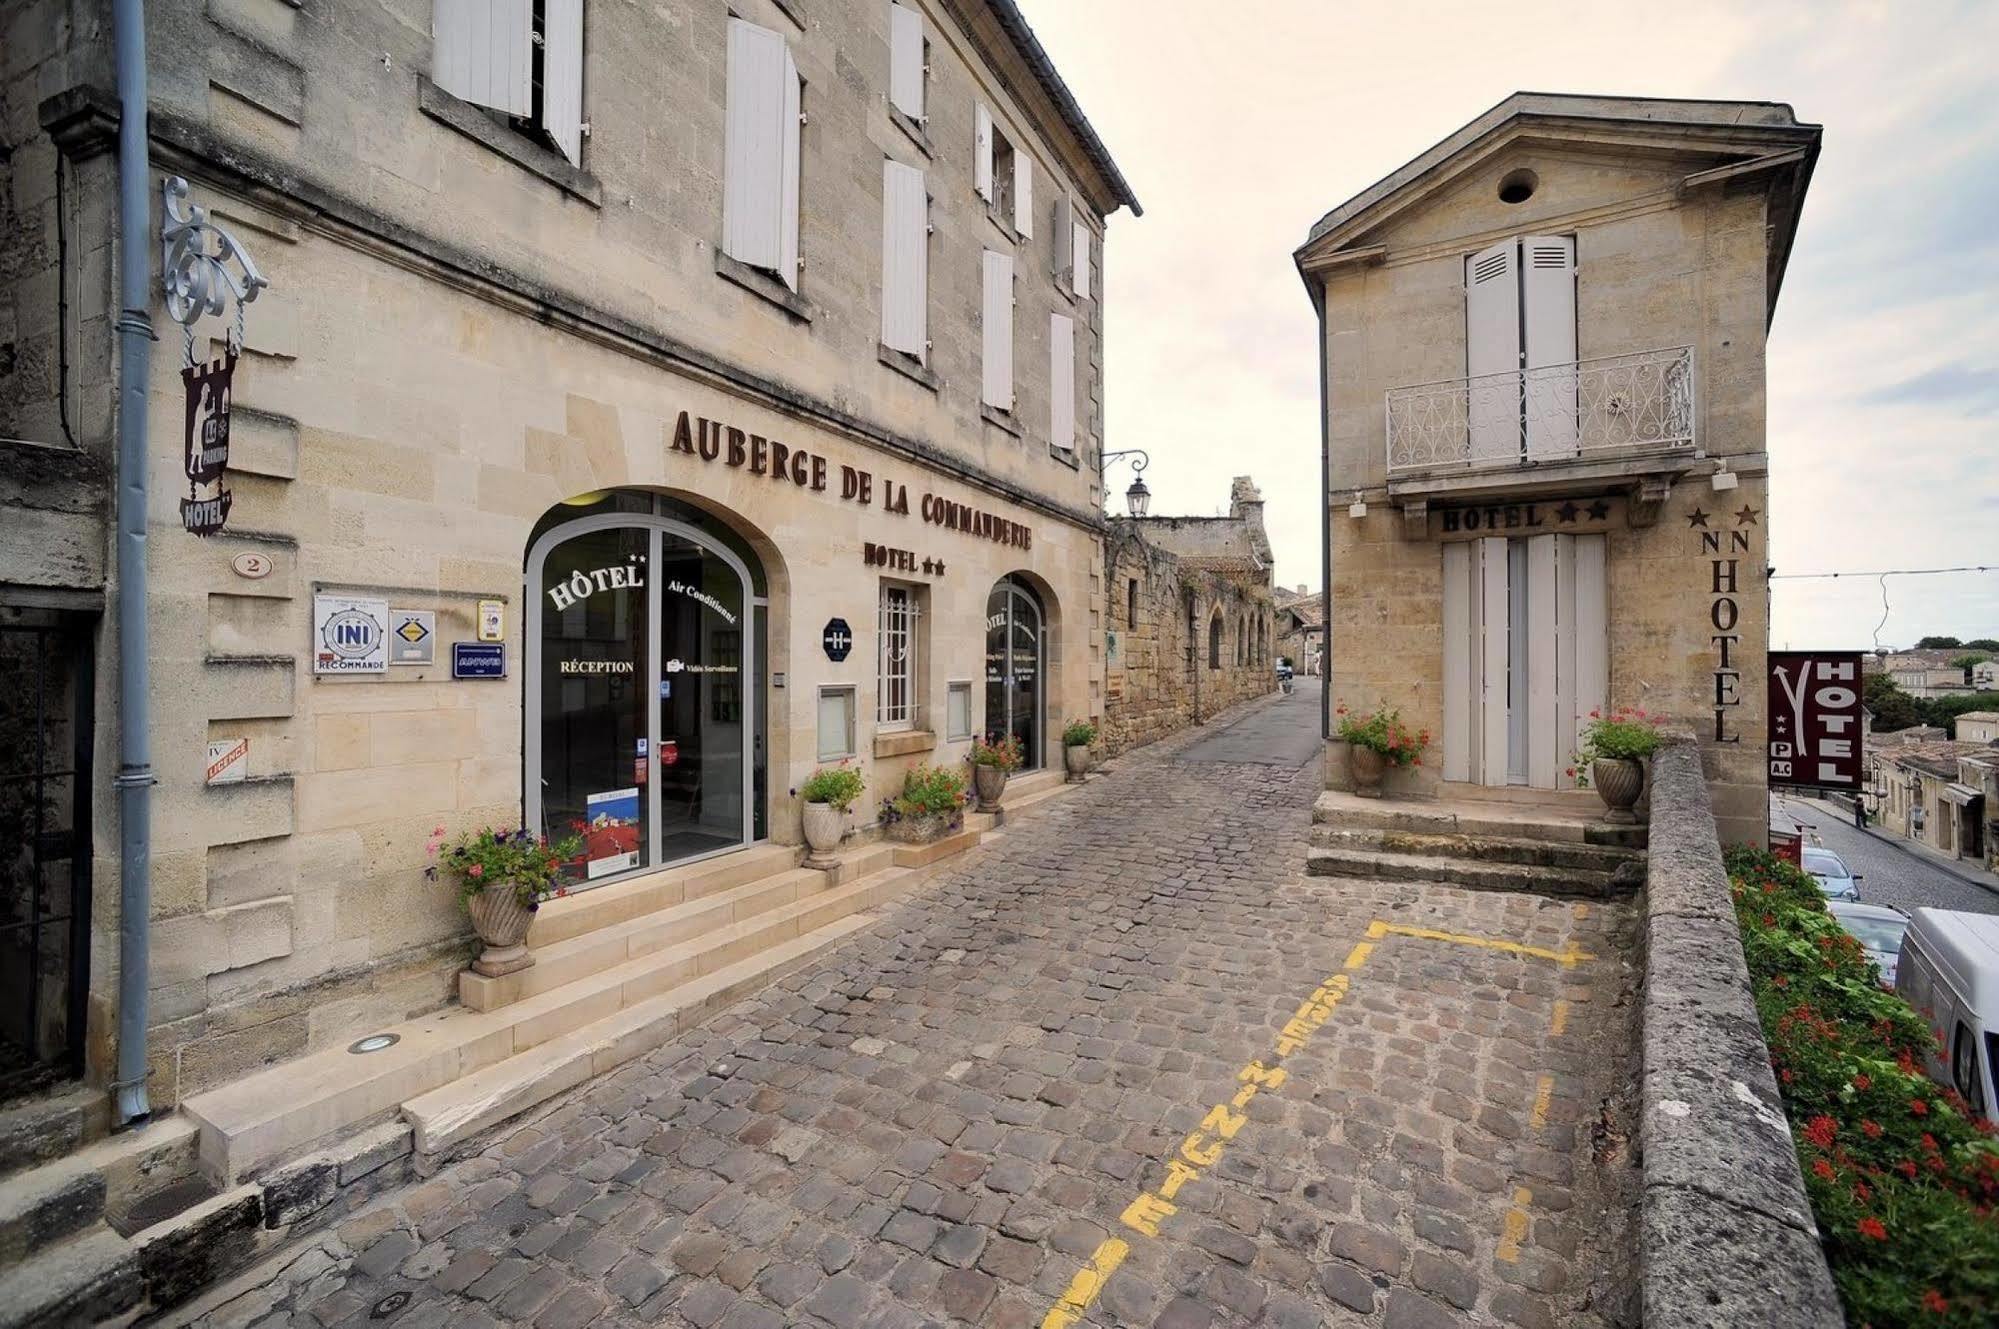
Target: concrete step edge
{"x": 602, "y": 906}
{"x": 1458, "y": 871}
{"x": 1503, "y": 848}
{"x": 90, "y": 1278}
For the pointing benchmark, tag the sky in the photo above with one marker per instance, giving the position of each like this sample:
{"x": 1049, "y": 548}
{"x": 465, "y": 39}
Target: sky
{"x": 1239, "y": 125}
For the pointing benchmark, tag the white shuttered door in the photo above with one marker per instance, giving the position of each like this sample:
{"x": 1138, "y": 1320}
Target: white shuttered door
{"x": 753, "y": 144}
{"x": 905, "y": 60}
{"x": 1548, "y": 295}
{"x": 1062, "y": 381}
{"x": 562, "y": 76}
{"x": 1544, "y": 761}
{"x": 479, "y": 51}
{"x": 1461, "y": 663}
{"x": 905, "y": 258}
{"x": 997, "y": 386}
{"x": 1490, "y": 684}
{"x": 1492, "y": 346}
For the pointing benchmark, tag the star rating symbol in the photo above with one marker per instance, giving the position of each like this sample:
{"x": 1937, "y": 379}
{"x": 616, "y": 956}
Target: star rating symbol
{"x": 1746, "y": 517}
{"x": 1599, "y": 510}
{"x": 929, "y": 567}
{"x": 1696, "y": 518}
{"x": 1567, "y": 512}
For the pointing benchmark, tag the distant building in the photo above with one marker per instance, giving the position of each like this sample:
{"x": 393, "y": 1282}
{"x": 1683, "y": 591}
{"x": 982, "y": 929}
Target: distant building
{"x": 1301, "y": 630}
{"x": 1939, "y": 794}
{"x": 1928, "y": 672}
{"x": 1985, "y": 676}
{"x": 1978, "y": 727}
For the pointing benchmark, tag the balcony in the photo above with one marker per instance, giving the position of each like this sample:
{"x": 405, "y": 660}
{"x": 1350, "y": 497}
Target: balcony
{"x": 1614, "y": 418}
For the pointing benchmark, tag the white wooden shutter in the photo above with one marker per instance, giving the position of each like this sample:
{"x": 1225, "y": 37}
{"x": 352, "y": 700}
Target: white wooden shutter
{"x": 753, "y": 147}
{"x": 1490, "y": 690}
{"x": 1460, "y": 662}
{"x": 562, "y": 76}
{"x": 1492, "y": 346}
{"x": 791, "y": 93}
{"x": 1548, "y": 313}
{"x": 997, "y": 326}
{"x": 982, "y": 151}
{"x": 479, "y": 51}
{"x": 1592, "y": 630}
{"x": 1079, "y": 251}
{"x": 905, "y": 258}
{"x": 1023, "y": 193}
{"x": 905, "y": 60}
{"x": 1062, "y": 381}
{"x": 1544, "y": 733}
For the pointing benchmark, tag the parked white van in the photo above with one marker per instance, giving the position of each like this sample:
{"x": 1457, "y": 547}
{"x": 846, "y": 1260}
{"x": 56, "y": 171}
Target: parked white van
{"x": 1950, "y": 968}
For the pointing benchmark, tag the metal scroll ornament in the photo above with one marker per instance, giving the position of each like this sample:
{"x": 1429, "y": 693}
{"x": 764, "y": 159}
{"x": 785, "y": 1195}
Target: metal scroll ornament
{"x": 197, "y": 256}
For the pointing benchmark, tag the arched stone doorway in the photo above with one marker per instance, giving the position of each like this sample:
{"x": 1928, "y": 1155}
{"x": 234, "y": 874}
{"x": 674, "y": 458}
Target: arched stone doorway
{"x": 1016, "y": 668}
{"x": 643, "y": 700}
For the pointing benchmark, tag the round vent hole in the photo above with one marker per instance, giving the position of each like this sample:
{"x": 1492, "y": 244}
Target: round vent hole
{"x": 1518, "y": 186}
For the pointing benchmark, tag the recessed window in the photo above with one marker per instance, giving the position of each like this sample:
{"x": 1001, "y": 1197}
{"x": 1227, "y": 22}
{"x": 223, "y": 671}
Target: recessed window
{"x": 1518, "y": 186}
{"x": 836, "y": 723}
{"x": 958, "y": 711}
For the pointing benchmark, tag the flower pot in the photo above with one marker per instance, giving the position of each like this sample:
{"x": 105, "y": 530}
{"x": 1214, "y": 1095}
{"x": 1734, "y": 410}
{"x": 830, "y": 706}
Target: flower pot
{"x": 502, "y": 922}
{"x": 990, "y": 782}
{"x": 1076, "y": 760}
{"x": 922, "y": 827}
{"x": 1618, "y": 782}
{"x": 1368, "y": 768}
{"x": 825, "y": 824}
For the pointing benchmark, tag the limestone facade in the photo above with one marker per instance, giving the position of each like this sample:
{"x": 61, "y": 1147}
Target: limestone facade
{"x": 1190, "y": 622}
{"x": 1676, "y": 218}
{"x": 464, "y": 332}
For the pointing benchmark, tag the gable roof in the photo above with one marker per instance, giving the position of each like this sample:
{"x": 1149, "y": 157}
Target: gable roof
{"x": 1755, "y": 136}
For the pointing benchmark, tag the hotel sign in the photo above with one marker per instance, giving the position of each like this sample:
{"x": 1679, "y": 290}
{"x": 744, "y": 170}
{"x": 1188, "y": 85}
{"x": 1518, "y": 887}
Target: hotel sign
{"x": 1815, "y": 719}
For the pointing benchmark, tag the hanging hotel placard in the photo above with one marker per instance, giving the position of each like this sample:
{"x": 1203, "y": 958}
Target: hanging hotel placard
{"x": 1815, "y": 719}
{"x": 195, "y": 261}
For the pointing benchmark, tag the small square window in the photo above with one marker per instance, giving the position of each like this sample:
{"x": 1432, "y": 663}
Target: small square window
{"x": 836, "y": 723}
{"x": 958, "y": 711}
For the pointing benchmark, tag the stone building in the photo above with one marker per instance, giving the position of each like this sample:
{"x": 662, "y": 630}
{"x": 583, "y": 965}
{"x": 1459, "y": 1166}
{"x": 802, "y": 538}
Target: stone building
{"x": 1543, "y": 357}
{"x": 1189, "y": 619}
{"x": 1301, "y": 629}
{"x": 1939, "y": 793}
{"x": 647, "y": 406}
{"x": 1978, "y": 727}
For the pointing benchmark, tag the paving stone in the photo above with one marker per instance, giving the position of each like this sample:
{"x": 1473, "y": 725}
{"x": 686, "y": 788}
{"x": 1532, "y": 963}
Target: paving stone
{"x": 1348, "y": 1286}
{"x": 1413, "y": 1310}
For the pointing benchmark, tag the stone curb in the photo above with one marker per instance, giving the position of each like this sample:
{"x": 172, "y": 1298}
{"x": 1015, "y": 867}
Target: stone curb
{"x": 1727, "y": 1236}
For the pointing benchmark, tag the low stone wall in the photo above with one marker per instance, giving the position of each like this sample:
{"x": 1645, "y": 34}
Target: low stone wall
{"x": 1727, "y": 1236}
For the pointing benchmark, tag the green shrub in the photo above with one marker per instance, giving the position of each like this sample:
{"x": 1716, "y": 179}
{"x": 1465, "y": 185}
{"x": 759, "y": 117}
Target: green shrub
{"x": 1903, "y": 1180}
{"x": 839, "y": 785}
{"x": 1079, "y": 734}
{"x": 930, "y": 789}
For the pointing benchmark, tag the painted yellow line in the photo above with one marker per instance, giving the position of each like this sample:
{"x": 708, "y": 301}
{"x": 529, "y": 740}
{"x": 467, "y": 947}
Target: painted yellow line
{"x": 1516, "y": 1226}
{"x": 1567, "y": 957}
{"x": 1544, "y": 1090}
{"x": 1358, "y": 955}
{"x": 1087, "y": 1283}
{"x": 1561, "y": 1020}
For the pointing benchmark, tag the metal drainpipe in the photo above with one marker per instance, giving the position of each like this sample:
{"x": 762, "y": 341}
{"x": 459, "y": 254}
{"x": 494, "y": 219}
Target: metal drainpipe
{"x": 135, "y": 768}
{"x": 1318, "y": 294}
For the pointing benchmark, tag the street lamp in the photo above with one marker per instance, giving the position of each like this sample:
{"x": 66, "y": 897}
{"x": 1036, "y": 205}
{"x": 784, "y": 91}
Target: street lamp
{"x": 1137, "y": 499}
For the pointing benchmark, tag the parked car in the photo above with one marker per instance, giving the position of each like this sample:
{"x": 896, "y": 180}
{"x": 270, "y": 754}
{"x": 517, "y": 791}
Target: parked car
{"x": 1879, "y": 931}
{"x": 1949, "y": 972}
{"x": 1830, "y": 872}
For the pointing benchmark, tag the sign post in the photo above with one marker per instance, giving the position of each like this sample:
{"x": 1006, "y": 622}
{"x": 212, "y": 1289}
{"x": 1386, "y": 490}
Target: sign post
{"x": 1815, "y": 721}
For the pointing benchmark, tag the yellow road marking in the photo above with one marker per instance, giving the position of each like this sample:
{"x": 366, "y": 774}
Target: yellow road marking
{"x": 1543, "y": 1091}
{"x": 1561, "y": 1020}
{"x": 1087, "y": 1283}
{"x": 1516, "y": 1226}
{"x": 1567, "y": 957}
{"x": 1358, "y": 955}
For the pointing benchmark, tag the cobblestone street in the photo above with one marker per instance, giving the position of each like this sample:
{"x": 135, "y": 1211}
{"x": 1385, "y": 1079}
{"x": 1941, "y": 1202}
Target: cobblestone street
{"x": 1123, "y": 1065}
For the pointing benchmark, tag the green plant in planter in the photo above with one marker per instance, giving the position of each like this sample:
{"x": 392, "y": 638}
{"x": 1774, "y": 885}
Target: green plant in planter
{"x": 838, "y": 785}
{"x": 1620, "y": 736}
{"x": 533, "y": 863}
{"x": 926, "y": 791}
{"x": 1004, "y": 754}
{"x": 1383, "y": 732}
{"x": 1079, "y": 734}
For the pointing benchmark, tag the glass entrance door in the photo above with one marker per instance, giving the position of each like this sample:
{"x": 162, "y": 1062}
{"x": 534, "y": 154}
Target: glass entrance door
{"x": 1014, "y": 660}
{"x": 640, "y": 731}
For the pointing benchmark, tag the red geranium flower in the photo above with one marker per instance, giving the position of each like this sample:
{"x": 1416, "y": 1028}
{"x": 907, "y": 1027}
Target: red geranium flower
{"x": 1933, "y": 1301}
{"x": 1873, "y": 1227}
{"x": 1823, "y": 1169}
{"x": 1862, "y": 1082}
{"x": 1872, "y": 1128}
{"x": 1919, "y": 1107}
{"x": 1907, "y": 1167}
{"x": 1820, "y": 1130}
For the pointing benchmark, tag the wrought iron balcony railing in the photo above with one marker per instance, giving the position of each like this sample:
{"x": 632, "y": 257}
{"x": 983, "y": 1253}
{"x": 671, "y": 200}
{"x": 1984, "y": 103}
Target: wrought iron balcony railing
{"x": 1617, "y": 404}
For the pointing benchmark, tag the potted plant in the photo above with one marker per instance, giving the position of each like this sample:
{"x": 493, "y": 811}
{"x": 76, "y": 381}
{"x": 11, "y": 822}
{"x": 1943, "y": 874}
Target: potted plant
{"x": 930, "y": 806}
{"x": 502, "y": 876}
{"x": 828, "y": 793}
{"x": 1376, "y": 740}
{"x": 1612, "y": 759}
{"x": 1077, "y": 737}
{"x": 990, "y": 764}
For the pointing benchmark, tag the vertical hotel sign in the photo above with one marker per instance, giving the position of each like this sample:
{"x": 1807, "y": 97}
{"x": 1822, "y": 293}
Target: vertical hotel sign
{"x": 1815, "y": 719}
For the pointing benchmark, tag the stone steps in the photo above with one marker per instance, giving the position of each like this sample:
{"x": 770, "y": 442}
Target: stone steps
{"x": 1472, "y": 874}
{"x": 1486, "y": 848}
{"x": 1496, "y": 818}
{"x": 103, "y": 1182}
{"x": 91, "y": 1278}
{"x": 619, "y": 902}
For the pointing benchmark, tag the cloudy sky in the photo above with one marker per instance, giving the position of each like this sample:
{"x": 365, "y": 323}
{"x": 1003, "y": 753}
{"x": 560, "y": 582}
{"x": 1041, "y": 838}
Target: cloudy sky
{"x": 1238, "y": 125}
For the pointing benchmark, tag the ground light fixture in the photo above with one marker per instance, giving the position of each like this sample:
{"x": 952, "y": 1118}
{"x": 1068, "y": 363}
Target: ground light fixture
{"x": 373, "y": 1043}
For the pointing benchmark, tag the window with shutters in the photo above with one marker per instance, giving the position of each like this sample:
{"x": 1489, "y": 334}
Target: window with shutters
{"x": 905, "y": 261}
{"x": 896, "y": 642}
{"x": 908, "y": 61}
{"x": 1520, "y": 348}
{"x": 1062, "y": 383}
{"x": 996, "y": 332}
{"x": 1003, "y": 176}
{"x": 761, "y": 159}
{"x": 522, "y": 60}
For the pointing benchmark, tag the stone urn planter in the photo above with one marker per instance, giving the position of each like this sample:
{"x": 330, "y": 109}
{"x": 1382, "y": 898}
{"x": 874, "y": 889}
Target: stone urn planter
{"x": 923, "y": 827}
{"x": 1618, "y": 782}
{"x": 1368, "y": 768}
{"x": 825, "y": 825}
{"x": 502, "y": 922}
{"x": 989, "y": 782}
{"x": 1076, "y": 761}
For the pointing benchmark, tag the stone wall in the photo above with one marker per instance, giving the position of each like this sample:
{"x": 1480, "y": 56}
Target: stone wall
{"x": 1727, "y": 1234}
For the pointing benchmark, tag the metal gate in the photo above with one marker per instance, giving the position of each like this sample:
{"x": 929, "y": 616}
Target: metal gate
{"x": 45, "y": 791}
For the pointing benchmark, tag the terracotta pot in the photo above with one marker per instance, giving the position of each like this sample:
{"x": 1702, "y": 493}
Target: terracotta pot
{"x": 1368, "y": 767}
{"x": 990, "y": 782}
{"x": 502, "y": 922}
{"x": 1618, "y": 782}
{"x": 921, "y": 828}
{"x": 1076, "y": 760}
{"x": 825, "y": 824}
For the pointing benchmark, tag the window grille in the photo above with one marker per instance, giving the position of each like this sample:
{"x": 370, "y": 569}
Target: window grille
{"x": 896, "y": 665}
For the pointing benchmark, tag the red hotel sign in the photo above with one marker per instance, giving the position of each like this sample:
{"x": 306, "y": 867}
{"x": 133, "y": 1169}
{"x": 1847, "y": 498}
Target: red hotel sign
{"x": 1815, "y": 720}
